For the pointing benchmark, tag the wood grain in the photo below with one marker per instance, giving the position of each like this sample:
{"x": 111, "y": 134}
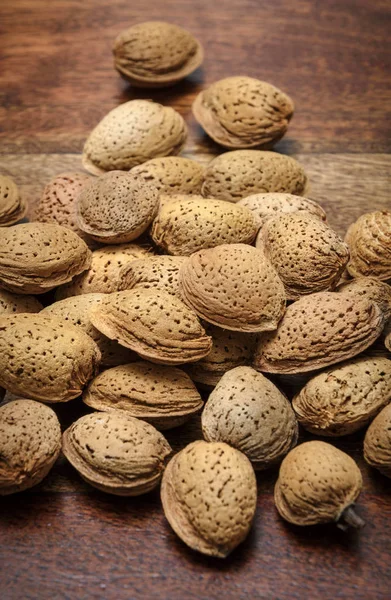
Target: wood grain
{"x": 65, "y": 540}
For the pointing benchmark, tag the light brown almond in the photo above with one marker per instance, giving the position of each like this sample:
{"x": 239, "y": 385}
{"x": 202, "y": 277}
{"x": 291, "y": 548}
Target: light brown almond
{"x": 369, "y": 240}
{"x": 172, "y": 175}
{"x": 377, "y": 442}
{"x": 269, "y": 205}
{"x": 13, "y": 207}
{"x": 156, "y": 272}
{"x": 370, "y": 288}
{"x": 15, "y": 303}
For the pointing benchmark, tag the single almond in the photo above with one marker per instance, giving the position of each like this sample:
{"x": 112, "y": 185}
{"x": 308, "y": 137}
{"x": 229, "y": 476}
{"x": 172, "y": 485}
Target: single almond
{"x": 172, "y": 175}
{"x": 377, "y": 442}
{"x": 15, "y": 303}
{"x": 269, "y": 205}
{"x": 369, "y": 240}
{"x": 370, "y": 288}
{"x": 156, "y": 272}
{"x": 13, "y": 207}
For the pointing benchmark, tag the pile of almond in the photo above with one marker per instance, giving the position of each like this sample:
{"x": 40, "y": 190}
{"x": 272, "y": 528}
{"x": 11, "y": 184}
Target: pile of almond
{"x": 159, "y": 291}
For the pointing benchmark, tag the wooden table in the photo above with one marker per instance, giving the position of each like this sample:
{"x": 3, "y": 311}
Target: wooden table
{"x": 64, "y": 540}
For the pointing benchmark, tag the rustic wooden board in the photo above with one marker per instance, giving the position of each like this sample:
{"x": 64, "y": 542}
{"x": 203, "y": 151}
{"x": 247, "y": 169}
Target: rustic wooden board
{"x": 65, "y": 540}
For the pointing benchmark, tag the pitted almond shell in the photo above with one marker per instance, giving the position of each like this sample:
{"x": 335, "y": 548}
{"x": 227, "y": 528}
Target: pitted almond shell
{"x": 186, "y": 226}
{"x": 238, "y": 174}
{"x": 36, "y": 257}
{"x": 45, "y": 358}
{"x": 156, "y": 54}
{"x": 243, "y": 112}
{"x": 163, "y": 396}
{"x": 369, "y": 240}
{"x": 172, "y": 175}
{"x": 116, "y": 453}
{"x": 103, "y": 276}
{"x": 370, "y": 288}
{"x": 15, "y": 303}
{"x": 209, "y": 495}
{"x": 12, "y": 205}
{"x": 156, "y": 272}
{"x": 248, "y": 412}
{"x": 269, "y": 205}
{"x": 156, "y": 325}
{"x": 76, "y": 310}
{"x": 344, "y": 398}
{"x": 387, "y": 333}
{"x": 317, "y": 331}
{"x": 316, "y": 483}
{"x": 30, "y": 442}
{"x": 308, "y": 256}
{"x": 131, "y": 134}
{"x": 377, "y": 442}
{"x": 116, "y": 207}
{"x": 234, "y": 287}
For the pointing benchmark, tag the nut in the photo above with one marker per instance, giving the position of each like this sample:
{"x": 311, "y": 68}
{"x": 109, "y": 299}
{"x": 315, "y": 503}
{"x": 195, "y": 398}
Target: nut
{"x": 156, "y": 272}
{"x": 12, "y": 206}
{"x": 163, "y": 396}
{"x": 317, "y": 331}
{"x": 209, "y": 495}
{"x": 242, "y": 112}
{"x": 185, "y": 226}
{"x": 30, "y": 442}
{"x": 317, "y": 484}
{"x": 172, "y": 175}
{"x": 267, "y": 206}
{"x": 156, "y": 325}
{"x": 131, "y": 134}
{"x": 116, "y": 207}
{"x": 307, "y": 255}
{"x": 387, "y": 338}
{"x": 14, "y": 303}
{"x": 248, "y": 412}
{"x": 116, "y": 453}
{"x": 377, "y": 442}
{"x": 238, "y": 174}
{"x": 233, "y": 286}
{"x": 369, "y": 240}
{"x": 345, "y": 398}
{"x": 156, "y": 54}
{"x": 36, "y": 257}
{"x": 370, "y": 288}
{"x": 45, "y": 357}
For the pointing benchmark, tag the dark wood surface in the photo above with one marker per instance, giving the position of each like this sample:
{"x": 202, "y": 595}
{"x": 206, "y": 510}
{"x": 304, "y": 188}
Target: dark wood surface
{"x": 64, "y": 540}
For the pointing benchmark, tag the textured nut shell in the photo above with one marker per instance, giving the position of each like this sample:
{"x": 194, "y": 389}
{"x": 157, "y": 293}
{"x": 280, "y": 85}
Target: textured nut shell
{"x": 156, "y": 272}
{"x": 238, "y": 174}
{"x": 131, "y": 134}
{"x": 58, "y": 202}
{"x": 116, "y": 207}
{"x": 103, "y": 275}
{"x": 172, "y": 175}
{"x": 317, "y": 331}
{"x": 116, "y": 453}
{"x": 36, "y": 257}
{"x": 248, "y": 412}
{"x": 369, "y": 240}
{"x": 242, "y": 112}
{"x": 387, "y": 338}
{"x": 14, "y": 303}
{"x": 370, "y": 288}
{"x": 186, "y": 226}
{"x": 345, "y": 398}
{"x": 307, "y": 255}
{"x": 45, "y": 358}
{"x": 30, "y": 442}
{"x": 156, "y": 54}
{"x": 377, "y": 442}
{"x": 233, "y": 286}
{"x": 163, "y": 396}
{"x": 12, "y": 206}
{"x": 209, "y": 495}
{"x": 267, "y": 206}
{"x": 156, "y": 325}
{"x": 76, "y": 311}
{"x": 316, "y": 483}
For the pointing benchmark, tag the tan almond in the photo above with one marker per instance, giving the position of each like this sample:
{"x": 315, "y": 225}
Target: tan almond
{"x": 317, "y": 331}
{"x": 267, "y": 206}
{"x": 36, "y": 257}
{"x": 15, "y": 303}
{"x": 369, "y": 240}
{"x": 377, "y": 442}
{"x": 116, "y": 453}
{"x": 30, "y": 442}
{"x": 163, "y": 396}
{"x": 156, "y": 54}
{"x": 172, "y": 175}
{"x": 370, "y": 288}
{"x": 156, "y": 272}
{"x": 308, "y": 256}
{"x": 344, "y": 398}
{"x": 233, "y": 286}
{"x": 131, "y": 134}
{"x": 238, "y": 174}
{"x": 387, "y": 338}
{"x": 45, "y": 358}
{"x": 13, "y": 207}
{"x": 248, "y": 412}
{"x": 243, "y": 112}
{"x": 186, "y": 226}
{"x": 156, "y": 325}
